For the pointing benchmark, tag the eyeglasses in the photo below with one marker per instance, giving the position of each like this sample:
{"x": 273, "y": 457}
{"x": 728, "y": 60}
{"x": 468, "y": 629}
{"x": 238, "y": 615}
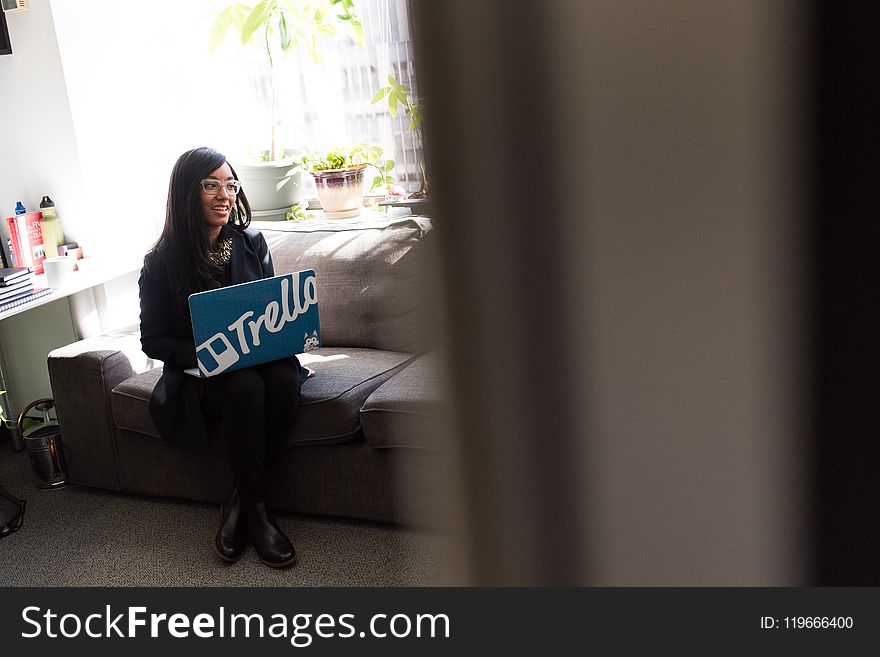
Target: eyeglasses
{"x": 212, "y": 186}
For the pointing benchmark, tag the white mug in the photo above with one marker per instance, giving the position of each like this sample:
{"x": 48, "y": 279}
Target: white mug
{"x": 59, "y": 271}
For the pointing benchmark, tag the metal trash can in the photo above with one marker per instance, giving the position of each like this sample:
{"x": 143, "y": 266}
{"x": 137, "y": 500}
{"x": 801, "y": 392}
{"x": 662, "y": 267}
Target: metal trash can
{"x": 43, "y": 443}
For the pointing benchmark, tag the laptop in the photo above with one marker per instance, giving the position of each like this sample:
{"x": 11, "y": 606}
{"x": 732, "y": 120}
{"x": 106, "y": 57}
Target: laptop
{"x": 256, "y": 322}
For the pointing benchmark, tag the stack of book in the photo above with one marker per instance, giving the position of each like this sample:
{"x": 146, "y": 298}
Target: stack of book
{"x": 17, "y": 287}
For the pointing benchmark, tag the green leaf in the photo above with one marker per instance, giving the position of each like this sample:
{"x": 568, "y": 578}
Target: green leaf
{"x": 400, "y": 94}
{"x": 259, "y": 17}
{"x": 239, "y": 16}
{"x": 221, "y": 26}
{"x": 297, "y": 212}
{"x": 392, "y": 105}
{"x": 392, "y": 81}
{"x": 315, "y": 50}
{"x": 358, "y": 32}
{"x": 293, "y": 9}
{"x": 283, "y": 32}
{"x": 377, "y": 182}
{"x": 384, "y": 91}
{"x": 415, "y": 115}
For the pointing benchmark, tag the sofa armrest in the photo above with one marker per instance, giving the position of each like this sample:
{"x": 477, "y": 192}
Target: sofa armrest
{"x": 82, "y": 376}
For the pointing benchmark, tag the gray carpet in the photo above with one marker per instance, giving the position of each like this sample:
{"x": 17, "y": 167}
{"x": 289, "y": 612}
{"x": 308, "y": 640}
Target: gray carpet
{"x": 79, "y": 536}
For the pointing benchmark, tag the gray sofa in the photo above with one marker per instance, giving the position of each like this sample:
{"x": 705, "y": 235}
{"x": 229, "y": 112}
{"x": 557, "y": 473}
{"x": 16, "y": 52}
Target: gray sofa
{"x": 367, "y": 438}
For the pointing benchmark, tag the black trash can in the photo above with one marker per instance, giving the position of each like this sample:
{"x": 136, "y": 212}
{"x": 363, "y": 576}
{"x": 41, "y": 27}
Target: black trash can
{"x": 44, "y": 447}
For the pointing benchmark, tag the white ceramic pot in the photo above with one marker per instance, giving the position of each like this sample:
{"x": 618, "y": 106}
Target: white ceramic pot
{"x": 341, "y": 191}
{"x": 271, "y": 187}
{"x": 59, "y": 271}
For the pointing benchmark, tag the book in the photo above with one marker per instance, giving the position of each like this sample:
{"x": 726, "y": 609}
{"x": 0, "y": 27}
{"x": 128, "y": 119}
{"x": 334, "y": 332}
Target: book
{"x": 33, "y": 296}
{"x": 26, "y": 235}
{"x": 12, "y": 274}
{"x": 30, "y": 234}
{"x": 15, "y": 294}
{"x": 15, "y": 243}
{"x": 20, "y": 234}
{"x": 18, "y": 288}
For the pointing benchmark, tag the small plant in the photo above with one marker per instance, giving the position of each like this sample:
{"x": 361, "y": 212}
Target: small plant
{"x": 265, "y": 156}
{"x": 299, "y": 212}
{"x": 400, "y": 95}
{"x": 360, "y": 155}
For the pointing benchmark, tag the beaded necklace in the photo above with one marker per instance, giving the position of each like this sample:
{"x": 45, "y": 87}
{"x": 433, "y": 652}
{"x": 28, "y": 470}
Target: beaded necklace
{"x": 220, "y": 253}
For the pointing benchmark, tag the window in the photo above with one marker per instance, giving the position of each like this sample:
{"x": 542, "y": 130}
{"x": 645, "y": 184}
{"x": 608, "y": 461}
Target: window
{"x": 321, "y": 105}
{"x": 148, "y": 89}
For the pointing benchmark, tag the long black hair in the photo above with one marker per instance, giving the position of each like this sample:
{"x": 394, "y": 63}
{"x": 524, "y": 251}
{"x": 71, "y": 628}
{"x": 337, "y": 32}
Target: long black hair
{"x": 182, "y": 248}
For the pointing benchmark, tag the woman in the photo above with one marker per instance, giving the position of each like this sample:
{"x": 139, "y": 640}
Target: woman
{"x": 206, "y": 244}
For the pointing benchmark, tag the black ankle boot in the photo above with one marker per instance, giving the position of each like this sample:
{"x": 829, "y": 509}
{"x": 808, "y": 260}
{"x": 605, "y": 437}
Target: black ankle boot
{"x": 273, "y": 548}
{"x": 231, "y": 538}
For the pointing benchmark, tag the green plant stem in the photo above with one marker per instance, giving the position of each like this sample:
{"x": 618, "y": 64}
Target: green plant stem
{"x": 272, "y": 76}
{"x": 423, "y": 190}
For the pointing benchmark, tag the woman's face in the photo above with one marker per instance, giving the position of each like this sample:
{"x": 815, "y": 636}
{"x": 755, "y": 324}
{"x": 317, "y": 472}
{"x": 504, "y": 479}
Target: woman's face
{"x": 217, "y": 204}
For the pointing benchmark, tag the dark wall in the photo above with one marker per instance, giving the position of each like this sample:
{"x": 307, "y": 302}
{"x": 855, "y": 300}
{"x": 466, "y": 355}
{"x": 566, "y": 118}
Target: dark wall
{"x": 847, "y": 252}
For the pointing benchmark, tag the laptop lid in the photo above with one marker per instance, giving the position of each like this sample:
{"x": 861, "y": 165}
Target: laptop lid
{"x": 256, "y": 322}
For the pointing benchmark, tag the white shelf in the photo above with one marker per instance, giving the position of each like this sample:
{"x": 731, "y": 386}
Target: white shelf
{"x": 98, "y": 273}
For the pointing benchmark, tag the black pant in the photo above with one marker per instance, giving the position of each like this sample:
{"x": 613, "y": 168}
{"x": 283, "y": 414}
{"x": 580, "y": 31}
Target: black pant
{"x": 257, "y": 407}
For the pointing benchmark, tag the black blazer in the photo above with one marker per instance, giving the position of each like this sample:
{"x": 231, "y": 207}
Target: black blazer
{"x": 166, "y": 334}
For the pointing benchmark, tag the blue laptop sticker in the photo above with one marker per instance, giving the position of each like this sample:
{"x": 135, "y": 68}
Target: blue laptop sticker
{"x": 256, "y": 322}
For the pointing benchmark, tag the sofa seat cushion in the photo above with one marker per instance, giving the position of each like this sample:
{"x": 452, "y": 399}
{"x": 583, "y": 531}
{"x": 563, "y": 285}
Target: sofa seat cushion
{"x": 329, "y": 405}
{"x": 409, "y": 409}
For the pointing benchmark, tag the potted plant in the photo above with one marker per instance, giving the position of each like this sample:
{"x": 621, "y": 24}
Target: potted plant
{"x": 272, "y": 177}
{"x": 339, "y": 177}
{"x": 400, "y": 95}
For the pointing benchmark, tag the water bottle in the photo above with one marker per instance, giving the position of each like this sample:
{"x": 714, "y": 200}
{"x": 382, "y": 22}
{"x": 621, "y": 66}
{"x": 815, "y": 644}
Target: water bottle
{"x": 19, "y": 208}
{"x": 51, "y": 226}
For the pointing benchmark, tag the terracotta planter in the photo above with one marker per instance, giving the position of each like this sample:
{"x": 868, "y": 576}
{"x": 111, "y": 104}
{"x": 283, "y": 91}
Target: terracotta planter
{"x": 341, "y": 191}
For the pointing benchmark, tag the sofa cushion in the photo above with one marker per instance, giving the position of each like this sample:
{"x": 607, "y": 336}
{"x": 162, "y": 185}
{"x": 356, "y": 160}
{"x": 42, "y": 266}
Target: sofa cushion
{"x": 332, "y": 399}
{"x": 373, "y": 278}
{"x": 129, "y": 402}
{"x": 409, "y": 409}
{"x": 329, "y": 405}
